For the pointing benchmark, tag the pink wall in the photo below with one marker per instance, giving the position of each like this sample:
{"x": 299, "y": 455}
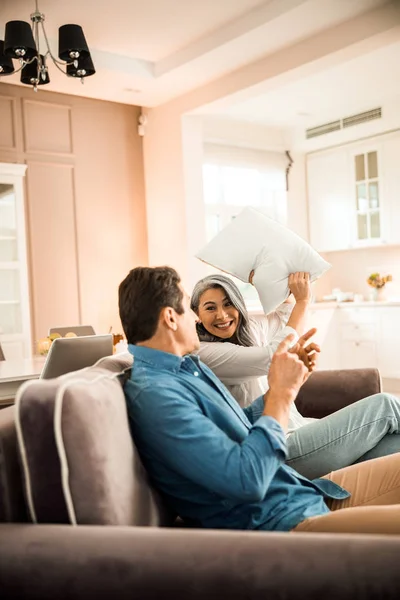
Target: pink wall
{"x": 85, "y": 205}
{"x": 351, "y": 268}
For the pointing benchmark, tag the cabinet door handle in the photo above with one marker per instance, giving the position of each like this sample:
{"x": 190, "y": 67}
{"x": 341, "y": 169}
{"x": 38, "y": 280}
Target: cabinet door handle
{"x": 357, "y": 343}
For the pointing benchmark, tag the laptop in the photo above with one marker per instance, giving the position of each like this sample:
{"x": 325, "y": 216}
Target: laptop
{"x": 74, "y": 353}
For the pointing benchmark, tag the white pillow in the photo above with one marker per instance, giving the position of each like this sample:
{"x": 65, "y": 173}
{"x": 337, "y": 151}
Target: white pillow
{"x": 254, "y": 241}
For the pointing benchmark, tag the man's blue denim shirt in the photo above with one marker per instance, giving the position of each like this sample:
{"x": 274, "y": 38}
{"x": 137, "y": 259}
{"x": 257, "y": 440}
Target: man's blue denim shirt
{"x": 215, "y": 464}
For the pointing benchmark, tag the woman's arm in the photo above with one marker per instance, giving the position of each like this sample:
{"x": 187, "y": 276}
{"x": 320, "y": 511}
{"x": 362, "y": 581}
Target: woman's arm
{"x": 299, "y": 285}
{"x": 235, "y": 364}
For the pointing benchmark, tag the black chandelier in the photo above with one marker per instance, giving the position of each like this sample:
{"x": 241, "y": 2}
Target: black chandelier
{"x": 21, "y": 42}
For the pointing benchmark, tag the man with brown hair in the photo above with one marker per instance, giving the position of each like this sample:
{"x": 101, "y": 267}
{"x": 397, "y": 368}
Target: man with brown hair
{"x": 220, "y": 466}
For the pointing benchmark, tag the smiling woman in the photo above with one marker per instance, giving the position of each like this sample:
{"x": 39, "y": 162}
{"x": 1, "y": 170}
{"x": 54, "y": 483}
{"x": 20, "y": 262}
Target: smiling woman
{"x": 222, "y": 312}
{"x": 218, "y": 314}
{"x": 239, "y": 348}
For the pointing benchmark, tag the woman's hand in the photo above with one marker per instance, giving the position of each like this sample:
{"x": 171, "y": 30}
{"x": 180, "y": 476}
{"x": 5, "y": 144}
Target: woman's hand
{"x": 308, "y": 354}
{"x": 299, "y": 285}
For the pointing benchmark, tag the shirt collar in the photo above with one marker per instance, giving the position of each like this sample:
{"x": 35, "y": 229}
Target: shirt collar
{"x": 158, "y": 358}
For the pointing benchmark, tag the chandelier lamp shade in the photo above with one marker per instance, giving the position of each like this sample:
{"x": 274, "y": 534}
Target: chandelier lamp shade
{"x": 22, "y": 43}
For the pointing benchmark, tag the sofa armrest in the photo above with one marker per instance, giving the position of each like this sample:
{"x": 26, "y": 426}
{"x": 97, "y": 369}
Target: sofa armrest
{"x": 326, "y": 392}
{"x": 84, "y": 562}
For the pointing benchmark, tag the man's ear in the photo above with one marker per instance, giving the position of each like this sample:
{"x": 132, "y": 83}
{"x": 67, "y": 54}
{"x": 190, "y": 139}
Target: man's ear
{"x": 168, "y": 318}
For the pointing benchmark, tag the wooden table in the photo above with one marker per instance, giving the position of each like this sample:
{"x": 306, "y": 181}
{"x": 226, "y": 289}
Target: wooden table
{"x": 13, "y": 373}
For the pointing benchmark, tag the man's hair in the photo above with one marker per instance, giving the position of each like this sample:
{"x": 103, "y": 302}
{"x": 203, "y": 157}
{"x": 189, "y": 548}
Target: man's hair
{"x": 142, "y": 295}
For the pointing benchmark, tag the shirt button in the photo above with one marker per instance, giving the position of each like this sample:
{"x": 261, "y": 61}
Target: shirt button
{"x": 196, "y": 373}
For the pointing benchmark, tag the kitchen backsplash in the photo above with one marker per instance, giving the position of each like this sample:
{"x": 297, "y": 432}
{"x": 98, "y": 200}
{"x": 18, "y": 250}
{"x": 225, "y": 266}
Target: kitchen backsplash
{"x": 351, "y": 268}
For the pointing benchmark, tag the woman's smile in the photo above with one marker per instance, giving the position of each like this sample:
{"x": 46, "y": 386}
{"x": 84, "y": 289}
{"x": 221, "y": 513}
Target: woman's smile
{"x": 217, "y": 313}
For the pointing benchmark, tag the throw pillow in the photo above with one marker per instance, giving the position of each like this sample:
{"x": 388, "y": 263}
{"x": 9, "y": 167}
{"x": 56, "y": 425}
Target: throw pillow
{"x": 253, "y": 241}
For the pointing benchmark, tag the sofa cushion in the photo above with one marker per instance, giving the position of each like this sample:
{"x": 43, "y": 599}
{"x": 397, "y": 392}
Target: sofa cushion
{"x": 253, "y": 241}
{"x": 80, "y": 465}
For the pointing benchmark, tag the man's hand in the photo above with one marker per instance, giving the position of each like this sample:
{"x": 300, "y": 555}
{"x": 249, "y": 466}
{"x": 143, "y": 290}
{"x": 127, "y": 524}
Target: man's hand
{"x": 288, "y": 371}
{"x": 299, "y": 285}
{"x": 308, "y": 354}
{"x": 286, "y": 376}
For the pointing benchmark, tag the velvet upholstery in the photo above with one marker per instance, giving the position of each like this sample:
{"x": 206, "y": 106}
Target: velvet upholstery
{"x": 80, "y": 465}
{"x": 48, "y": 562}
{"x": 100, "y": 563}
{"x": 12, "y": 500}
{"x": 328, "y": 391}
{"x": 325, "y": 392}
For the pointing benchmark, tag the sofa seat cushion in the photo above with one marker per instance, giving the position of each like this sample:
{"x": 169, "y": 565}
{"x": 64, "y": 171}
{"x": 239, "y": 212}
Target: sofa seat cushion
{"x": 79, "y": 463}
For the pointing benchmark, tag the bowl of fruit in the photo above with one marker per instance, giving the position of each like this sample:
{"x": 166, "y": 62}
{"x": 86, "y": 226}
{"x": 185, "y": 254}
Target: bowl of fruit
{"x": 44, "y": 344}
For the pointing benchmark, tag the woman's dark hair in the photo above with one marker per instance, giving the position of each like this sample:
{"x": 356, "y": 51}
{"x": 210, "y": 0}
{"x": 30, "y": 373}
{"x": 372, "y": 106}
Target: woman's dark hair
{"x": 142, "y": 295}
{"x": 243, "y": 335}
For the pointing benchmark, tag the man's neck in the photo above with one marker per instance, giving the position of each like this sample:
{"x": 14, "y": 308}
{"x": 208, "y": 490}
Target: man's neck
{"x": 163, "y": 344}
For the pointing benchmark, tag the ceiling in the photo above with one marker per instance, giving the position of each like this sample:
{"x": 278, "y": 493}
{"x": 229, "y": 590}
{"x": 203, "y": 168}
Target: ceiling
{"x": 149, "y": 52}
{"x": 354, "y": 86}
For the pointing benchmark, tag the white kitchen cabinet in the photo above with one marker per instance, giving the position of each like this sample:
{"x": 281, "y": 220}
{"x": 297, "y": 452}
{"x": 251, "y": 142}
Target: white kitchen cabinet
{"x": 358, "y": 337}
{"x": 15, "y": 329}
{"x": 354, "y": 194}
{"x": 358, "y": 354}
{"x": 390, "y": 154}
{"x": 388, "y": 342}
{"x": 330, "y": 199}
{"x": 326, "y": 322}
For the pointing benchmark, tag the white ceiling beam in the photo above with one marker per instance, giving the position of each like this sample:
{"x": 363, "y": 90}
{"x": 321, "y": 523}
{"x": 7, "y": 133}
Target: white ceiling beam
{"x": 142, "y": 69}
{"x": 257, "y": 17}
{"x": 347, "y": 40}
{"x": 113, "y": 62}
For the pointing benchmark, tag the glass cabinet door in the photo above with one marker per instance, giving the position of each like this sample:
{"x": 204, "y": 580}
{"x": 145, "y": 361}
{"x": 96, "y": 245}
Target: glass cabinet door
{"x": 10, "y": 300}
{"x": 367, "y": 196}
{"x": 15, "y": 331}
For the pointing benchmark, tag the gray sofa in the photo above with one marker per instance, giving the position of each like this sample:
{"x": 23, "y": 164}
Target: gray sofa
{"x": 101, "y": 531}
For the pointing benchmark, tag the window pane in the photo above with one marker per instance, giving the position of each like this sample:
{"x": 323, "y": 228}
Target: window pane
{"x": 241, "y": 186}
{"x": 373, "y": 195}
{"x": 212, "y": 226}
{"x": 10, "y": 318}
{"x": 362, "y": 200}
{"x": 360, "y": 167}
{"x": 212, "y": 184}
{"x": 362, "y": 227}
{"x": 375, "y": 225}
{"x": 372, "y": 160}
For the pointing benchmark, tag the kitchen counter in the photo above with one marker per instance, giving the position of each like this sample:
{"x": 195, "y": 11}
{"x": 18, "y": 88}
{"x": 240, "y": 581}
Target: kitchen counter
{"x": 364, "y": 304}
{"x": 13, "y": 373}
{"x": 255, "y": 310}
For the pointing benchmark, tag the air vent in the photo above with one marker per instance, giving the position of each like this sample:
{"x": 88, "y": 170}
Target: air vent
{"x": 323, "y": 129}
{"x": 363, "y": 117}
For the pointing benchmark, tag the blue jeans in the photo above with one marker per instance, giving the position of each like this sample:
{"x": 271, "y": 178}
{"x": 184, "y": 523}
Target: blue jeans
{"x": 366, "y": 429}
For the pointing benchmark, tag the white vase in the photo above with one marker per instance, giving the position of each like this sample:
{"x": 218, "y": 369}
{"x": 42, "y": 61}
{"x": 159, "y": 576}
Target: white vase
{"x": 377, "y": 294}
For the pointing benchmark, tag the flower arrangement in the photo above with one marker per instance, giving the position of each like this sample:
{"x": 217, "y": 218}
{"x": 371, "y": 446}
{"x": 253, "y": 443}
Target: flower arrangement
{"x": 376, "y": 281}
